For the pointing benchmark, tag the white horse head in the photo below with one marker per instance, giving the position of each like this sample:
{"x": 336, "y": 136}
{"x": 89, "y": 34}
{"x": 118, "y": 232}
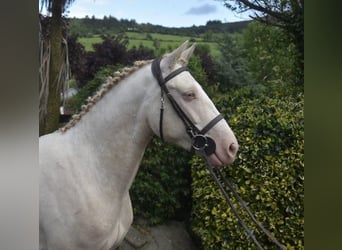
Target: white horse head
{"x": 196, "y": 105}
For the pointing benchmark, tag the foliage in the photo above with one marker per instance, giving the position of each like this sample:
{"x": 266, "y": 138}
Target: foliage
{"x": 86, "y": 27}
{"x": 288, "y": 15}
{"x": 269, "y": 172}
{"x": 110, "y": 25}
{"x": 207, "y": 61}
{"x": 161, "y": 189}
{"x": 90, "y": 88}
{"x": 111, "y": 51}
{"x": 62, "y": 4}
{"x": 269, "y": 54}
{"x": 140, "y": 53}
{"x": 77, "y": 57}
{"x": 167, "y": 42}
{"x": 231, "y": 67}
{"x": 88, "y": 41}
{"x": 260, "y": 54}
{"x": 197, "y": 71}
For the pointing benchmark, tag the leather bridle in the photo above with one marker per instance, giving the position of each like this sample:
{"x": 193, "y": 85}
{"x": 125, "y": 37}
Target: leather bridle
{"x": 200, "y": 141}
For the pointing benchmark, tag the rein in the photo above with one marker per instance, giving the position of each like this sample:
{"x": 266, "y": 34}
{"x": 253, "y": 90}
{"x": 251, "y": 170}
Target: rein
{"x": 199, "y": 140}
{"x": 225, "y": 186}
{"x": 205, "y": 146}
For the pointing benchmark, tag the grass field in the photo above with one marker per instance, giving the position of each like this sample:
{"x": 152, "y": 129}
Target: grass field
{"x": 87, "y": 42}
{"x": 167, "y": 42}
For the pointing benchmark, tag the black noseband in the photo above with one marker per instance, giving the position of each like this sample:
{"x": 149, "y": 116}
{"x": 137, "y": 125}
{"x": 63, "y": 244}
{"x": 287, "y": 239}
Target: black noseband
{"x": 200, "y": 142}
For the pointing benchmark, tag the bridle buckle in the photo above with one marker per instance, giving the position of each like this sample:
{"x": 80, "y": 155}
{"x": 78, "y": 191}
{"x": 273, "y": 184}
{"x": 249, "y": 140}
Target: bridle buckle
{"x": 199, "y": 142}
{"x": 203, "y": 143}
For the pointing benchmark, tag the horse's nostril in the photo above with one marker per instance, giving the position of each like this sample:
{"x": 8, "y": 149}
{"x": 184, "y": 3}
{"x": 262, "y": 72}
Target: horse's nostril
{"x": 233, "y": 148}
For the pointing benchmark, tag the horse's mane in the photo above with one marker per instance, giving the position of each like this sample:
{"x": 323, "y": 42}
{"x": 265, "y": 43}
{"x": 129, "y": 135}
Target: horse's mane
{"x": 105, "y": 87}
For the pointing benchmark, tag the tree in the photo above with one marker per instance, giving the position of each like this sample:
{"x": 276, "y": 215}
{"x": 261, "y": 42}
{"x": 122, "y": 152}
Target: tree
{"x": 269, "y": 55}
{"x": 207, "y": 62}
{"x": 77, "y": 58}
{"x": 231, "y": 67}
{"x": 50, "y": 89}
{"x": 286, "y": 14}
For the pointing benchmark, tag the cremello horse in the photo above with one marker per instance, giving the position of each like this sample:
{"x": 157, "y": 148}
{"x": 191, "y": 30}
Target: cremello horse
{"x": 87, "y": 168}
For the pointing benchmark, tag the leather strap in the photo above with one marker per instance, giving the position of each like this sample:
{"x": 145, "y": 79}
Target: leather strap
{"x": 211, "y": 124}
{"x": 175, "y": 73}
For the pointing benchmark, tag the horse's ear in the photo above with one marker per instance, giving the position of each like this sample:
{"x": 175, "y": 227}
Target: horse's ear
{"x": 186, "y": 54}
{"x": 171, "y": 59}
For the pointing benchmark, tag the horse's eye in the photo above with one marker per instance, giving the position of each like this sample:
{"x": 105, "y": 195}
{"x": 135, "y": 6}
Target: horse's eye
{"x": 189, "y": 96}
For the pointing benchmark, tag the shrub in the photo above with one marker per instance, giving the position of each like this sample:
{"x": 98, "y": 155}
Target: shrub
{"x": 231, "y": 67}
{"x": 207, "y": 62}
{"x": 161, "y": 189}
{"x": 77, "y": 57}
{"x": 142, "y": 53}
{"x": 197, "y": 70}
{"x": 85, "y": 65}
{"x": 75, "y": 102}
{"x": 269, "y": 172}
{"x": 269, "y": 53}
{"x": 112, "y": 51}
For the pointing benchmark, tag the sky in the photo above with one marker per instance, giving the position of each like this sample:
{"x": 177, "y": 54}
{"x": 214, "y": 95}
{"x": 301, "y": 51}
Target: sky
{"x": 169, "y": 13}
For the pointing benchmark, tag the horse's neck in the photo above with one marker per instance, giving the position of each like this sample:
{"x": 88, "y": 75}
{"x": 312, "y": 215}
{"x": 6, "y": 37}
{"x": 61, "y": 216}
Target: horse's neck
{"x": 116, "y": 133}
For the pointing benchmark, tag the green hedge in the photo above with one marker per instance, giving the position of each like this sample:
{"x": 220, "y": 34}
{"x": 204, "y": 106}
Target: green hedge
{"x": 161, "y": 189}
{"x": 75, "y": 102}
{"x": 269, "y": 172}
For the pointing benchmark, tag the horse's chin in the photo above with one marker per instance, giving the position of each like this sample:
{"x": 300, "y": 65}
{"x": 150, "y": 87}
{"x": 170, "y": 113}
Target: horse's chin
{"x": 217, "y": 161}
{"x": 214, "y": 160}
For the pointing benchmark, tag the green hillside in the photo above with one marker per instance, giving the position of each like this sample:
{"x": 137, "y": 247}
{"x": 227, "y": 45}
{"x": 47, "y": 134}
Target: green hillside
{"x": 165, "y": 42}
{"x": 157, "y": 37}
{"x": 109, "y": 25}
